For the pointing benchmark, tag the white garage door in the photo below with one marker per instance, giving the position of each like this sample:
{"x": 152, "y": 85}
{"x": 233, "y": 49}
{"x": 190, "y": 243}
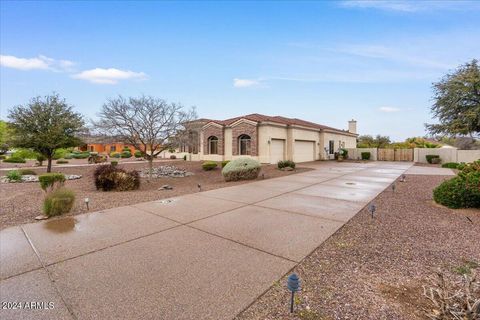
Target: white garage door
{"x": 304, "y": 151}
{"x": 277, "y": 150}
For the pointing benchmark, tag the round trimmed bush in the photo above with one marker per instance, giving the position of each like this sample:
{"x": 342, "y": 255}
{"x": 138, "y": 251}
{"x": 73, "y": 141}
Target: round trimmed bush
{"x": 138, "y": 154}
{"x": 209, "y": 165}
{"x": 365, "y": 155}
{"x": 286, "y": 164}
{"x": 52, "y": 180}
{"x": 115, "y": 155}
{"x": 58, "y": 202}
{"x": 224, "y": 163}
{"x": 430, "y": 158}
{"x": 27, "y": 172}
{"x": 241, "y": 169}
{"x": 450, "y": 165}
{"x": 173, "y": 157}
{"x": 459, "y": 192}
{"x": 126, "y": 154}
{"x": 14, "y": 160}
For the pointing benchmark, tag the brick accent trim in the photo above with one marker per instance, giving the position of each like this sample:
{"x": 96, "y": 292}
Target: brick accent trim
{"x": 213, "y": 131}
{"x": 249, "y": 129}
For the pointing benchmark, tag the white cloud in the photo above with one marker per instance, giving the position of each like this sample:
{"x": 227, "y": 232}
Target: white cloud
{"x": 109, "y": 76}
{"x": 246, "y": 83}
{"x": 411, "y": 5}
{"x": 38, "y": 63}
{"x": 388, "y": 109}
{"x": 23, "y": 63}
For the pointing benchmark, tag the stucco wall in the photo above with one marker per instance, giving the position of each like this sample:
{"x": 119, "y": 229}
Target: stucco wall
{"x": 350, "y": 142}
{"x": 265, "y": 134}
{"x": 446, "y": 154}
{"x": 468, "y": 155}
{"x": 356, "y": 153}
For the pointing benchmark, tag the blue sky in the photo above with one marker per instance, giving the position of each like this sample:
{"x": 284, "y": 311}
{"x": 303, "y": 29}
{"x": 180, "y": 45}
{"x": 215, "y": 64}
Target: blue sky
{"x": 326, "y": 62}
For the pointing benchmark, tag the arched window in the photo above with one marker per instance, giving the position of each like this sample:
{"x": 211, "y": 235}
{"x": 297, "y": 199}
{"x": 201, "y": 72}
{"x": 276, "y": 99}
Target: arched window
{"x": 244, "y": 142}
{"x": 212, "y": 145}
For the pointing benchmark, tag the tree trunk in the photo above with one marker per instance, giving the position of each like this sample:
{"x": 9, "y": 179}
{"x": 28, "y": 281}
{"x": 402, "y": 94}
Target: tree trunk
{"x": 150, "y": 167}
{"x": 49, "y": 164}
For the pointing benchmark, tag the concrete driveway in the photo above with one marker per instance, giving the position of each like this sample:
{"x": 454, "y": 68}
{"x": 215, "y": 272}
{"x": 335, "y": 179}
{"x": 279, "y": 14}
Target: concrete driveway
{"x": 201, "y": 256}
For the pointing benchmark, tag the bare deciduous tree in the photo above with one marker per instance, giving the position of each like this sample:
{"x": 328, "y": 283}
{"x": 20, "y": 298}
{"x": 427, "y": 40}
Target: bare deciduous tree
{"x": 147, "y": 123}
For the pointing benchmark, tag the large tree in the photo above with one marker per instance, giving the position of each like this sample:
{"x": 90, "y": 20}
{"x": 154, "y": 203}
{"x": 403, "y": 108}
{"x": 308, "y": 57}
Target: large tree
{"x": 44, "y": 125}
{"x": 5, "y": 136}
{"x": 457, "y": 102}
{"x": 147, "y": 123}
{"x": 367, "y": 141}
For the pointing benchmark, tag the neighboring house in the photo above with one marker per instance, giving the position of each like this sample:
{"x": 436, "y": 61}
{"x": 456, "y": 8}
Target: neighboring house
{"x": 270, "y": 139}
{"x": 104, "y": 144}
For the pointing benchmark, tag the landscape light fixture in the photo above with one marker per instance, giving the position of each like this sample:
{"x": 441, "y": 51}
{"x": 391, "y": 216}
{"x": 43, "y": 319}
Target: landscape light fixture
{"x": 293, "y": 284}
{"x": 199, "y": 187}
{"x": 372, "y": 208}
{"x": 394, "y": 186}
{"x": 403, "y": 178}
{"x": 86, "y": 203}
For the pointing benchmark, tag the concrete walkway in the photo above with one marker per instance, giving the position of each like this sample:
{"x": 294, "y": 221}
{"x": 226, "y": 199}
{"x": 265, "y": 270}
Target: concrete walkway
{"x": 201, "y": 256}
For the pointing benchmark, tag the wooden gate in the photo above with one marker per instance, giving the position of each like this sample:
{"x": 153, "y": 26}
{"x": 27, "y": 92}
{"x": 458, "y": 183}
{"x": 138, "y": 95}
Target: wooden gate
{"x": 395, "y": 154}
{"x": 403, "y": 154}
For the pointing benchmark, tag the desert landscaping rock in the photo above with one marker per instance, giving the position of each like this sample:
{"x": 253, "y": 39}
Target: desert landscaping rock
{"x": 33, "y": 178}
{"x": 165, "y": 171}
{"x": 166, "y": 187}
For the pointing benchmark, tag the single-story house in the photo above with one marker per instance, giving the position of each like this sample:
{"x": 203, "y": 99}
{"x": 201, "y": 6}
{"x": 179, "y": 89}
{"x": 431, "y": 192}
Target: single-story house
{"x": 270, "y": 139}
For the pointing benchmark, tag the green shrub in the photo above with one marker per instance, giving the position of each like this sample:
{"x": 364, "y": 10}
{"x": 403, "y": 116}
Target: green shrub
{"x": 2, "y": 156}
{"x": 40, "y": 158}
{"x": 51, "y": 181}
{"x": 25, "y": 153}
{"x": 114, "y": 162}
{"x": 58, "y": 202}
{"x": 241, "y": 169}
{"x": 450, "y": 165}
{"x": 60, "y": 153}
{"x": 342, "y": 152}
{"x": 184, "y": 157}
{"x": 80, "y": 155}
{"x": 68, "y": 156}
{"x": 430, "y": 157}
{"x": 115, "y": 155}
{"x": 111, "y": 177}
{"x": 14, "y": 175}
{"x": 13, "y": 159}
{"x": 138, "y": 154}
{"x": 469, "y": 168}
{"x": 126, "y": 154}
{"x": 459, "y": 192}
{"x": 224, "y": 163}
{"x": 209, "y": 165}
{"x": 27, "y": 172}
{"x": 365, "y": 155}
{"x": 461, "y": 165}
{"x": 62, "y": 161}
{"x": 286, "y": 164}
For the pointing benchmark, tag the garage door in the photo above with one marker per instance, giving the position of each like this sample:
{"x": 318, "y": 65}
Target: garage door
{"x": 277, "y": 150}
{"x": 304, "y": 151}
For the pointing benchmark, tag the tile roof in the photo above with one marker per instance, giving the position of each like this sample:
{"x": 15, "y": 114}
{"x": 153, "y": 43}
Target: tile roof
{"x": 256, "y": 117}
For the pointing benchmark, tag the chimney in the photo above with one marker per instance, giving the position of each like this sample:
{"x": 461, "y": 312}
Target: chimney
{"x": 352, "y": 126}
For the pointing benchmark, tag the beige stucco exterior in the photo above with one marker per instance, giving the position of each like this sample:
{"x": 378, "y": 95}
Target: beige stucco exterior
{"x": 273, "y": 139}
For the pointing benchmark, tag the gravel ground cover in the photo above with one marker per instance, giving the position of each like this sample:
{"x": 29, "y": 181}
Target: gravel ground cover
{"x": 21, "y": 202}
{"x": 375, "y": 268}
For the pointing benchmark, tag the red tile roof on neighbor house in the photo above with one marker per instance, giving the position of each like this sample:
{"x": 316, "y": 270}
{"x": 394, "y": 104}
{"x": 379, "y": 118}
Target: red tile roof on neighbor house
{"x": 256, "y": 117}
